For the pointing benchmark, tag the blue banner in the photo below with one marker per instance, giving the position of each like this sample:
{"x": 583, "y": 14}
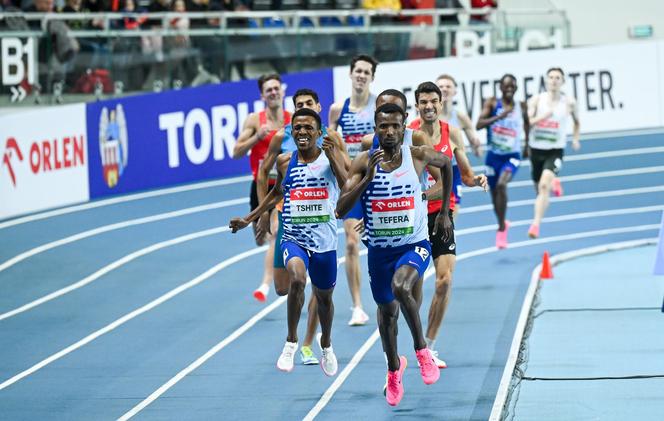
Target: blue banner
{"x": 156, "y": 140}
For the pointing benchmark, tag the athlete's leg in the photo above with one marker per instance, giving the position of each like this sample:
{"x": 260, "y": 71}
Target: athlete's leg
{"x": 542, "y": 200}
{"x": 499, "y": 198}
{"x": 312, "y": 320}
{"x": 268, "y": 273}
{"x": 444, "y": 265}
{"x": 402, "y": 286}
{"x": 388, "y": 314}
{"x": 296, "y": 264}
{"x": 353, "y": 260}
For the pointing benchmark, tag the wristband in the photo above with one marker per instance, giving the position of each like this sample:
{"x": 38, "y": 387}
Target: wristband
{"x": 424, "y": 196}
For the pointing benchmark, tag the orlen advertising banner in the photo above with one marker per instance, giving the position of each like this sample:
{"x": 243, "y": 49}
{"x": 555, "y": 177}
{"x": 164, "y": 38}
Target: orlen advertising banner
{"x": 174, "y": 137}
{"x": 44, "y": 159}
{"x": 617, "y": 87}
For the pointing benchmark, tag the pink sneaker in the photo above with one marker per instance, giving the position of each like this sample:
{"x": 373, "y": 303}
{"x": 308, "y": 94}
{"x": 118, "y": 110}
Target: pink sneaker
{"x": 428, "y": 368}
{"x": 501, "y": 237}
{"x": 394, "y": 391}
{"x": 556, "y": 187}
{"x": 533, "y": 231}
{"x": 261, "y": 293}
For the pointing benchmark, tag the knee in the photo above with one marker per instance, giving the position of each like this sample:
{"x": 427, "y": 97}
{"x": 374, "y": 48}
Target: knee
{"x": 281, "y": 283}
{"x": 443, "y": 284}
{"x": 352, "y": 246}
{"x": 401, "y": 291}
{"x": 501, "y": 187}
{"x": 297, "y": 283}
{"x": 543, "y": 188}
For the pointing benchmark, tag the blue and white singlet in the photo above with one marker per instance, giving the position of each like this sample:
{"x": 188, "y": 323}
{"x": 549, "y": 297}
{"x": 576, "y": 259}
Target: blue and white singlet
{"x": 354, "y": 125}
{"x": 505, "y": 135}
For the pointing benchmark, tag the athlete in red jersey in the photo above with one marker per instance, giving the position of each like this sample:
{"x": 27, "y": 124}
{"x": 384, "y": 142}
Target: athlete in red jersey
{"x": 447, "y": 140}
{"x": 258, "y": 130}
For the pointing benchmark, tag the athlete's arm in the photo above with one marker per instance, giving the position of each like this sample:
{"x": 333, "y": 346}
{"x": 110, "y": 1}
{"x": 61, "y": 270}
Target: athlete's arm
{"x": 526, "y": 129}
{"x": 333, "y": 116}
{"x": 471, "y": 134}
{"x": 435, "y": 192}
{"x": 367, "y": 141}
{"x": 574, "y": 112}
{"x": 271, "y": 199}
{"x": 532, "y": 111}
{"x": 486, "y": 119}
{"x": 362, "y": 171}
{"x": 268, "y": 162}
{"x": 340, "y": 146}
{"x": 336, "y": 159}
{"x": 248, "y": 136}
{"x": 467, "y": 175}
{"x": 426, "y": 155}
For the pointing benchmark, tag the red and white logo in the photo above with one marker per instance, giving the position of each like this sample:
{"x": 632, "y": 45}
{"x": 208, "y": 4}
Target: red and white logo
{"x": 11, "y": 149}
{"x": 309, "y": 194}
{"x": 390, "y": 205}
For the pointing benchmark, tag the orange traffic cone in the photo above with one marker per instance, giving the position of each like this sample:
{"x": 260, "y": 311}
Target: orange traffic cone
{"x": 546, "y": 272}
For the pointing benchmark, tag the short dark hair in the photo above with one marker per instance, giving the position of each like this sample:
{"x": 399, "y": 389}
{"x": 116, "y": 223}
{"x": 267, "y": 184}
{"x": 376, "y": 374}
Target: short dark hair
{"x": 307, "y": 112}
{"x": 364, "y": 57}
{"x": 556, "y": 69}
{"x": 265, "y": 78}
{"x": 397, "y": 93}
{"x": 305, "y": 91}
{"x": 389, "y": 108}
{"x": 507, "y": 75}
{"x": 448, "y": 77}
{"x": 427, "y": 88}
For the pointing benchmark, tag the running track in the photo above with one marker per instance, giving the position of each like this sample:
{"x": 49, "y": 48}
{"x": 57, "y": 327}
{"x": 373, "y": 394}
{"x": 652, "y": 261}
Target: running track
{"x": 141, "y": 306}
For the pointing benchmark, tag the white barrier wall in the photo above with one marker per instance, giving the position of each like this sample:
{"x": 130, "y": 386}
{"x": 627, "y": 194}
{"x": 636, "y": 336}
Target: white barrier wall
{"x": 617, "y": 87}
{"x": 44, "y": 160}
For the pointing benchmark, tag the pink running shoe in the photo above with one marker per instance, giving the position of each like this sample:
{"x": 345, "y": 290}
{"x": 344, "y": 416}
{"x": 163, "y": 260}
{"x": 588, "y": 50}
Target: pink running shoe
{"x": 428, "y": 368}
{"x": 556, "y": 187}
{"x": 394, "y": 391}
{"x": 533, "y": 231}
{"x": 261, "y": 293}
{"x": 501, "y": 237}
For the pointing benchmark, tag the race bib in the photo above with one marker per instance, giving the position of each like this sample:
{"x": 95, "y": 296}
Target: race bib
{"x": 503, "y": 138}
{"x": 546, "y": 130}
{"x": 353, "y": 144}
{"x": 309, "y": 205}
{"x": 393, "y": 217}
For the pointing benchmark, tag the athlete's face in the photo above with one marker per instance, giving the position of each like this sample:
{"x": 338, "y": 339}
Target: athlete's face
{"x": 554, "y": 80}
{"x": 429, "y": 106}
{"x": 508, "y": 88}
{"x": 305, "y": 132}
{"x": 391, "y": 99}
{"x": 447, "y": 88}
{"x": 361, "y": 76}
{"x": 307, "y": 101}
{"x": 390, "y": 129}
{"x": 272, "y": 93}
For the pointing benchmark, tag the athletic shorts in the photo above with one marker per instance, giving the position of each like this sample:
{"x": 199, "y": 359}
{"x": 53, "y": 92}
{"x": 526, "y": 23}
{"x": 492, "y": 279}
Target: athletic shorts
{"x": 456, "y": 184}
{"x": 384, "y": 262}
{"x": 438, "y": 246}
{"x": 545, "y": 159}
{"x": 322, "y": 267}
{"x": 279, "y": 257}
{"x": 356, "y": 212}
{"x": 253, "y": 196}
{"x": 496, "y": 164}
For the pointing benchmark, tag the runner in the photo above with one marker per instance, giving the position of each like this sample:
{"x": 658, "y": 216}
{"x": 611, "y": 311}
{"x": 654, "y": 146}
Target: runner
{"x": 448, "y": 141}
{"x": 506, "y": 121}
{"x": 460, "y": 120}
{"x": 355, "y": 117}
{"x": 387, "y": 183}
{"x": 548, "y": 112}
{"x": 308, "y": 180}
{"x": 258, "y": 130}
{"x": 283, "y": 142}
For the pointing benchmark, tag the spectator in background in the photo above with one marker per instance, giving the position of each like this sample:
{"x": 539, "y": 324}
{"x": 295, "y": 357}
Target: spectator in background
{"x": 127, "y": 53}
{"x": 179, "y": 45}
{"x": 481, "y": 4}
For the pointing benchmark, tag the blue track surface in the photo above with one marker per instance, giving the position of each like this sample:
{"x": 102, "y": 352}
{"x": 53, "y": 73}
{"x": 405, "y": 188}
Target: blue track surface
{"x": 130, "y": 356}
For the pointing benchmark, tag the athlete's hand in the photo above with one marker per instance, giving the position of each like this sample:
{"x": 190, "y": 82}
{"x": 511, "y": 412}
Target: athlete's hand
{"x": 237, "y": 224}
{"x": 576, "y": 145}
{"x": 262, "y": 132}
{"x": 359, "y": 227}
{"x": 375, "y": 159}
{"x": 477, "y": 149}
{"x": 505, "y": 112}
{"x": 481, "y": 181}
{"x": 263, "y": 228}
{"x": 443, "y": 225}
{"x": 328, "y": 146}
{"x": 526, "y": 152}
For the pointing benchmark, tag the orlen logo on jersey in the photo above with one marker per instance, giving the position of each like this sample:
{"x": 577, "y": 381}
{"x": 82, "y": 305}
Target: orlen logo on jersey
{"x": 45, "y": 155}
{"x": 309, "y": 194}
{"x": 390, "y": 205}
{"x": 548, "y": 124}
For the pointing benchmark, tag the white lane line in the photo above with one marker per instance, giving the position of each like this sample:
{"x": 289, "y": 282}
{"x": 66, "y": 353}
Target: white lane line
{"x": 212, "y": 351}
{"x": 580, "y": 177}
{"x": 119, "y": 225}
{"x": 122, "y": 199}
{"x": 595, "y": 155}
{"x": 110, "y": 267}
{"x": 329, "y": 393}
{"x": 571, "y": 198}
{"x": 561, "y": 218}
{"x": 114, "y": 265}
{"x": 506, "y": 379}
{"x": 127, "y": 317}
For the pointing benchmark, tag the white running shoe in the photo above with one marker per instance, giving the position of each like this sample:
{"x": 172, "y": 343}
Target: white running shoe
{"x": 285, "y": 361}
{"x": 440, "y": 363}
{"x": 359, "y": 317}
{"x": 328, "y": 361}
